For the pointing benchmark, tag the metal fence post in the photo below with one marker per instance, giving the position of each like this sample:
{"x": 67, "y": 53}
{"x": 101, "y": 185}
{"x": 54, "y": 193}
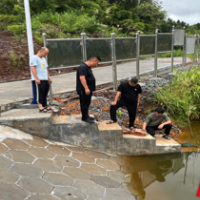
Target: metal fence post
{"x": 114, "y": 67}
{"x": 197, "y": 49}
{"x": 50, "y": 88}
{"x": 172, "y": 54}
{"x": 194, "y": 56}
{"x": 84, "y": 49}
{"x": 138, "y": 55}
{"x": 185, "y": 57}
{"x": 184, "y": 50}
{"x": 156, "y": 54}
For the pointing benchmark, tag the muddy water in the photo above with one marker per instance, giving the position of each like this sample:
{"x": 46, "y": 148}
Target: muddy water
{"x": 166, "y": 177}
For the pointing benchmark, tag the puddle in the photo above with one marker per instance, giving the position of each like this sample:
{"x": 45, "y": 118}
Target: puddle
{"x": 166, "y": 177}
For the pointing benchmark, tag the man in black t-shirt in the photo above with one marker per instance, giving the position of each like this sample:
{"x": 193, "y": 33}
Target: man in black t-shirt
{"x": 85, "y": 85}
{"x": 130, "y": 98}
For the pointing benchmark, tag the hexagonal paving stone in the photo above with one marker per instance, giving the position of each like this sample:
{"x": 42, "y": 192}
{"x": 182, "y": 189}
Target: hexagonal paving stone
{"x": 48, "y": 165}
{"x": 99, "y": 198}
{"x": 37, "y": 142}
{"x": 119, "y": 194}
{"x": 93, "y": 169}
{"x": 96, "y": 154}
{"x": 42, "y": 197}
{"x": 76, "y": 149}
{"x": 5, "y": 162}
{"x": 117, "y": 175}
{"x": 116, "y": 159}
{"x": 8, "y": 192}
{"x": 41, "y": 153}
{"x": 105, "y": 181}
{"x": 16, "y": 144}
{"x": 35, "y": 185}
{"x": 107, "y": 164}
{"x": 27, "y": 170}
{"x": 68, "y": 193}
{"x": 67, "y": 161}
{"x": 22, "y": 156}
{"x": 58, "y": 179}
{"x": 7, "y": 176}
{"x": 3, "y": 149}
{"x": 83, "y": 157}
{"x": 89, "y": 187}
{"x": 60, "y": 150}
{"x": 77, "y": 173}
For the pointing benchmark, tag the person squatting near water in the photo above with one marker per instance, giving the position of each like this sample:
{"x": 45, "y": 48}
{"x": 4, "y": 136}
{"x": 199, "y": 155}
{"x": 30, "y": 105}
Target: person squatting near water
{"x": 154, "y": 122}
{"x": 86, "y": 85}
{"x": 41, "y": 79}
{"x": 128, "y": 95}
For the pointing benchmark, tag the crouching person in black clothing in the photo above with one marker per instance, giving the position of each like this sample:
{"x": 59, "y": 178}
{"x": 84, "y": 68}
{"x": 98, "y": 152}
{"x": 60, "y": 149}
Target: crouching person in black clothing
{"x": 154, "y": 122}
{"x": 85, "y": 85}
{"x": 130, "y": 98}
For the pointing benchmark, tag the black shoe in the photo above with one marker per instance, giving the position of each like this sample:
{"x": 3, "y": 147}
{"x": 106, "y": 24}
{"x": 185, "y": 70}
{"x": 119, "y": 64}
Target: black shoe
{"x": 88, "y": 120}
{"x": 92, "y": 118}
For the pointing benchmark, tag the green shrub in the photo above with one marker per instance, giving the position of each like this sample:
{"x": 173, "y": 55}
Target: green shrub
{"x": 181, "y": 97}
{"x": 17, "y": 30}
{"x": 14, "y": 58}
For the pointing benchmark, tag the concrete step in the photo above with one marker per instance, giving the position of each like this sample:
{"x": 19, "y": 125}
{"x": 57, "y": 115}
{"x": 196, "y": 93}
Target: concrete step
{"x": 28, "y": 120}
{"x": 98, "y": 136}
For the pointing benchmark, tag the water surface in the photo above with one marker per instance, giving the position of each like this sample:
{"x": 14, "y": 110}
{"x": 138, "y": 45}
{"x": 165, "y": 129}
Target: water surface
{"x": 166, "y": 177}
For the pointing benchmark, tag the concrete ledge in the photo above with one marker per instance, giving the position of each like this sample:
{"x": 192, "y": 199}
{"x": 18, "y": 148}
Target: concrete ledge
{"x": 97, "y": 136}
{"x": 28, "y": 120}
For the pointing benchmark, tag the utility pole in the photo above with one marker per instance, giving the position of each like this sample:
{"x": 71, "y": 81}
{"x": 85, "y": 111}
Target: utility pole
{"x": 29, "y": 38}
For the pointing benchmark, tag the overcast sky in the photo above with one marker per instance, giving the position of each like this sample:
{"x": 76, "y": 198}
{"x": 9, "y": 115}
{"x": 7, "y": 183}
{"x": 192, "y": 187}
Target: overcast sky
{"x": 184, "y": 10}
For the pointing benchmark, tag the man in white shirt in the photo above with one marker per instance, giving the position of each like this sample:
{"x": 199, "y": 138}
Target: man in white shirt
{"x": 41, "y": 79}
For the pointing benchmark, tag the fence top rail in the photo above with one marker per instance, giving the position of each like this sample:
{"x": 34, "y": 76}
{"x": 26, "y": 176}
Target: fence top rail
{"x": 98, "y": 38}
{"x": 147, "y": 35}
{"x": 164, "y": 33}
{"x": 125, "y": 38}
{"x": 64, "y": 39}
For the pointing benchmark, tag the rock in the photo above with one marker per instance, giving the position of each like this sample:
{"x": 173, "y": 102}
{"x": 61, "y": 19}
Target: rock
{"x": 56, "y": 103}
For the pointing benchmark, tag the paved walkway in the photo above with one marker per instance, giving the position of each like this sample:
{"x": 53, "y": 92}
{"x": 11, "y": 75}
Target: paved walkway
{"x": 21, "y": 90}
{"x": 38, "y": 169}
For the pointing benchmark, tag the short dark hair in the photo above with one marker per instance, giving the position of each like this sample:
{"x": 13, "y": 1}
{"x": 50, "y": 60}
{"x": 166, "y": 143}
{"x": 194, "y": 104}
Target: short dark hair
{"x": 42, "y": 49}
{"x": 159, "y": 110}
{"x": 134, "y": 80}
{"x": 95, "y": 57}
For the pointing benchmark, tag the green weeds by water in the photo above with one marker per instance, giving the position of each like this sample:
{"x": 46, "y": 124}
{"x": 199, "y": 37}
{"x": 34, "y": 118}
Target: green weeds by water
{"x": 181, "y": 97}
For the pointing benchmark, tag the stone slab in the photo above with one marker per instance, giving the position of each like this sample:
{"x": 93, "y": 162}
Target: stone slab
{"x": 5, "y": 162}
{"x": 105, "y": 181}
{"x": 21, "y": 156}
{"x": 58, "y": 179}
{"x": 8, "y": 192}
{"x": 27, "y": 170}
{"x": 7, "y": 176}
{"x": 89, "y": 187}
{"x": 35, "y": 185}
{"x": 77, "y": 173}
{"x": 68, "y": 193}
{"x": 23, "y": 114}
{"x": 103, "y": 126}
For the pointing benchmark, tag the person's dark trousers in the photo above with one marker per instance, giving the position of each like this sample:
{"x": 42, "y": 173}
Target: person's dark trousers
{"x": 41, "y": 92}
{"x": 151, "y": 129}
{"x": 85, "y": 101}
{"x": 131, "y": 107}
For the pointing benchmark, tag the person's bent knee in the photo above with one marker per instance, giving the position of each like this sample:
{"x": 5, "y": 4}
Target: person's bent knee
{"x": 169, "y": 125}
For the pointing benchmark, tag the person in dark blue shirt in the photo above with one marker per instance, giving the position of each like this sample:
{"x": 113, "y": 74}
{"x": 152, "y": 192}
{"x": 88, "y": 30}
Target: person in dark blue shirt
{"x": 128, "y": 95}
{"x": 86, "y": 85}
